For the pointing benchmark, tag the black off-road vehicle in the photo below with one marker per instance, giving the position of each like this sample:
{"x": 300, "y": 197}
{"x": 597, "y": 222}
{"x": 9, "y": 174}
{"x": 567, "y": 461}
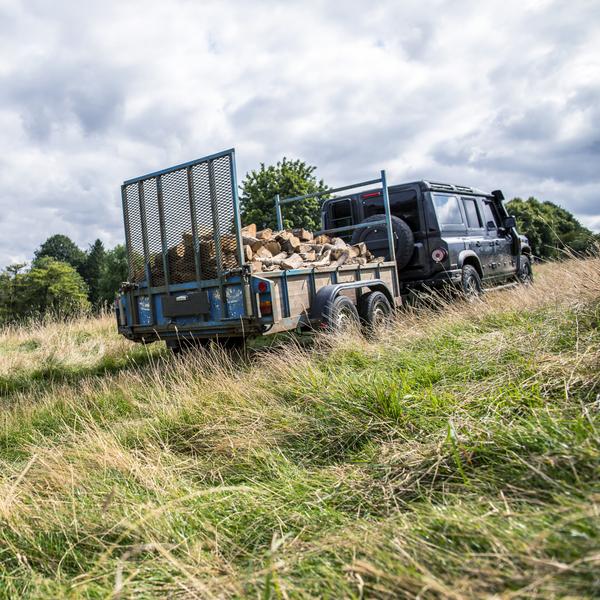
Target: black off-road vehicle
{"x": 444, "y": 234}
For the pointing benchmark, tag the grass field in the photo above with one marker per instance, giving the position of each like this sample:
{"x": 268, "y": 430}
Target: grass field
{"x": 457, "y": 455}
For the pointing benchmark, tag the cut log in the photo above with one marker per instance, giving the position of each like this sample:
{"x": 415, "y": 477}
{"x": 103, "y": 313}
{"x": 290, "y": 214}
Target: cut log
{"x": 265, "y": 234}
{"x": 310, "y": 256}
{"x": 322, "y": 239}
{"x": 249, "y": 230}
{"x": 303, "y": 235}
{"x": 248, "y": 254}
{"x": 291, "y": 244}
{"x": 272, "y": 246}
{"x": 263, "y": 252}
{"x": 292, "y": 262}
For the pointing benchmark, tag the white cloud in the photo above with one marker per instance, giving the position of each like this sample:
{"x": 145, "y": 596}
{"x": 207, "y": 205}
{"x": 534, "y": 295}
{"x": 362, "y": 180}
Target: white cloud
{"x": 496, "y": 94}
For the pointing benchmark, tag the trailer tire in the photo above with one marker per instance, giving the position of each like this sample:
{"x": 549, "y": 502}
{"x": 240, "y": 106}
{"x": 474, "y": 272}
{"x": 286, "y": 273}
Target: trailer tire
{"x": 341, "y": 314}
{"x": 405, "y": 240}
{"x": 374, "y": 309}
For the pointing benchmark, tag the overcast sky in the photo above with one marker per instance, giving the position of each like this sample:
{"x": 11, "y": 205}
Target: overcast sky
{"x": 495, "y": 94}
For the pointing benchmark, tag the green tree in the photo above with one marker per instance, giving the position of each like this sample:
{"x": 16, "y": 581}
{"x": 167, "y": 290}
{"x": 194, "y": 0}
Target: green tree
{"x": 550, "y": 228}
{"x": 52, "y": 286}
{"x": 114, "y": 272}
{"x": 10, "y": 288}
{"x": 286, "y": 178}
{"x": 93, "y": 269}
{"x": 64, "y": 249}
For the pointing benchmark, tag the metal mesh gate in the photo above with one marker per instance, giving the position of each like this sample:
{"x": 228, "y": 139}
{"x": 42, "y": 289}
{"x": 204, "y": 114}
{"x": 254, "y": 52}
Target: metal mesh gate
{"x": 182, "y": 224}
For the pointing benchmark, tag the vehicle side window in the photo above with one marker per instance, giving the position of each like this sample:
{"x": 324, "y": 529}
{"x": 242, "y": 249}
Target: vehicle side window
{"x": 492, "y": 221}
{"x": 341, "y": 213}
{"x": 472, "y": 213}
{"x": 447, "y": 211}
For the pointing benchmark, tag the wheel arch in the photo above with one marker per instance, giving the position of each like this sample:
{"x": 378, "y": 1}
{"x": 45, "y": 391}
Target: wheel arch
{"x": 468, "y": 257}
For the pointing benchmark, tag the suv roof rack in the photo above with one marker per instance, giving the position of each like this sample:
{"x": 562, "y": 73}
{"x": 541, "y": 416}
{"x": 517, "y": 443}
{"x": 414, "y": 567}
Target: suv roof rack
{"x": 449, "y": 187}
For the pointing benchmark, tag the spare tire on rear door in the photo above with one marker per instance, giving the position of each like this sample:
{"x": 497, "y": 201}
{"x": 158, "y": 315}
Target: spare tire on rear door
{"x": 375, "y": 237}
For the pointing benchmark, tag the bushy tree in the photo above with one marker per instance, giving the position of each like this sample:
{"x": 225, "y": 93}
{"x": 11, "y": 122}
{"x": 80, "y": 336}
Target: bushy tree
{"x": 550, "y": 228}
{"x": 93, "y": 269}
{"x": 286, "y": 178}
{"x": 52, "y": 286}
{"x": 114, "y": 272}
{"x": 64, "y": 249}
{"x": 10, "y": 292}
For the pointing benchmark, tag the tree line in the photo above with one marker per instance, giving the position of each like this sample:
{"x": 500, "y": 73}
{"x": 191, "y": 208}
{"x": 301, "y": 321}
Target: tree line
{"x": 64, "y": 279}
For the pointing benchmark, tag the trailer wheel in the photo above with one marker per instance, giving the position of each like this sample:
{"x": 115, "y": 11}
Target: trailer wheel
{"x": 374, "y": 309}
{"x": 342, "y": 314}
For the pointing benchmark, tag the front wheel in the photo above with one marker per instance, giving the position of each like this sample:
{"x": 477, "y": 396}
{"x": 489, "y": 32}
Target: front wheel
{"x": 525, "y": 274}
{"x": 342, "y": 314}
{"x": 471, "y": 283}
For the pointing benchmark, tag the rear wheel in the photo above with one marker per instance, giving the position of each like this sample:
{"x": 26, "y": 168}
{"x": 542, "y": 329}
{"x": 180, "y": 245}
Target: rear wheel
{"x": 342, "y": 314}
{"x": 471, "y": 283}
{"x": 525, "y": 274}
{"x": 374, "y": 309}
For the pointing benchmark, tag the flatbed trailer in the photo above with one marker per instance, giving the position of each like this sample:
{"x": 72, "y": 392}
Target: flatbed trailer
{"x": 215, "y": 296}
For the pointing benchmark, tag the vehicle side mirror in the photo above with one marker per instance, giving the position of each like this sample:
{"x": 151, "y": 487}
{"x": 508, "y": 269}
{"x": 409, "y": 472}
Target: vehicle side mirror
{"x": 509, "y": 222}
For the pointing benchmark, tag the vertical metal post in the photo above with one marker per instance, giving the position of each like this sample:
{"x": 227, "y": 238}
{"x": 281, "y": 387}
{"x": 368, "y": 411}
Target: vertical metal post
{"x": 390, "y": 232}
{"x": 146, "y": 248}
{"x": 237, "y": 223}
{"x": 388, "y": 218}
{"x": 217, "y": 234}
{"x": 163, "y": 231}
{"x": 195, "y": 240}
{"x": 278, "y": 212}
{"x": 133, "y": 314}
{"x": 126, "y": 223}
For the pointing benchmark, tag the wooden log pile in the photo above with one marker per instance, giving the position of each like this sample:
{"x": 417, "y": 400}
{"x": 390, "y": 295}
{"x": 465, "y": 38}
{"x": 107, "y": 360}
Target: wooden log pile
{"x": 264, "y": 250}
{"x": 268, "y": 250}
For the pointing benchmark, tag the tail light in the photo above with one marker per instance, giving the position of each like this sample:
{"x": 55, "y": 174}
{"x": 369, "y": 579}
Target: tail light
{"x": 439, "y": 255}
{"x": 266, "y": 308}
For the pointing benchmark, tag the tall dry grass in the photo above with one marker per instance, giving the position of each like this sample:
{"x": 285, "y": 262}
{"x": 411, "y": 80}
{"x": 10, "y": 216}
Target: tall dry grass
{"x": 454, "y": 454}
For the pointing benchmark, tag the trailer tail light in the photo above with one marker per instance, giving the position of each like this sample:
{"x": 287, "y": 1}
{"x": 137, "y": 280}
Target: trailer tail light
{"x": 439, "y": 255}
{"x": 262, "y": 287}
{"x": 266, "y": 308}
{"x": 371, "y": 195}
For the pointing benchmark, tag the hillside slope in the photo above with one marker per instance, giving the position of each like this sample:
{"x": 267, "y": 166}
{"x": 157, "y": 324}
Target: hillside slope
{"x": 455, "y": 456}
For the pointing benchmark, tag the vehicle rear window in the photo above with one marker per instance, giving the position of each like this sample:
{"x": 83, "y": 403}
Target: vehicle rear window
{"x": 341, "y": 213}
{"x": 472, "y": 213}
{"x": 447, "y": 210}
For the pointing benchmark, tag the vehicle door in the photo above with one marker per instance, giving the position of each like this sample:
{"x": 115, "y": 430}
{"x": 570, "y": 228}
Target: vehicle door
{"x": 476, "y": 232}
{"x": 499, "y": 242}
{"x": 453, "y": 229}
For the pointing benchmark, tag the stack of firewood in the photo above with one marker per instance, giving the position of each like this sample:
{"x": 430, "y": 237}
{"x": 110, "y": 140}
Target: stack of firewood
{"x": 268, "y": 250}
{"x": 264, "y": 250}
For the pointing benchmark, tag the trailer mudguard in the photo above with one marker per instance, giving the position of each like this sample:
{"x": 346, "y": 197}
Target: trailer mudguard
{"x": 327, "y": 294}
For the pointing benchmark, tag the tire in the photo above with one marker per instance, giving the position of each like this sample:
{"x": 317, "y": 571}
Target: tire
{"x": 525, "y": 274}
{"x": 470, "y": 283}
{"x": 341, "y": 314}
{"x": 374, "y": 309}
{"x": 372, "y": 237}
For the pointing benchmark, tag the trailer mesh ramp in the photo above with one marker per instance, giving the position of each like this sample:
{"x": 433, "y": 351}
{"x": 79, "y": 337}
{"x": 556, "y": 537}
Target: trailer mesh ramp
{"x": 181, "y": 224}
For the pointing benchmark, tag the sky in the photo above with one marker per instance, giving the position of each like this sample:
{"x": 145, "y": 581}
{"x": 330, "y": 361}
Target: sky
{"x": 495, "y": 94}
